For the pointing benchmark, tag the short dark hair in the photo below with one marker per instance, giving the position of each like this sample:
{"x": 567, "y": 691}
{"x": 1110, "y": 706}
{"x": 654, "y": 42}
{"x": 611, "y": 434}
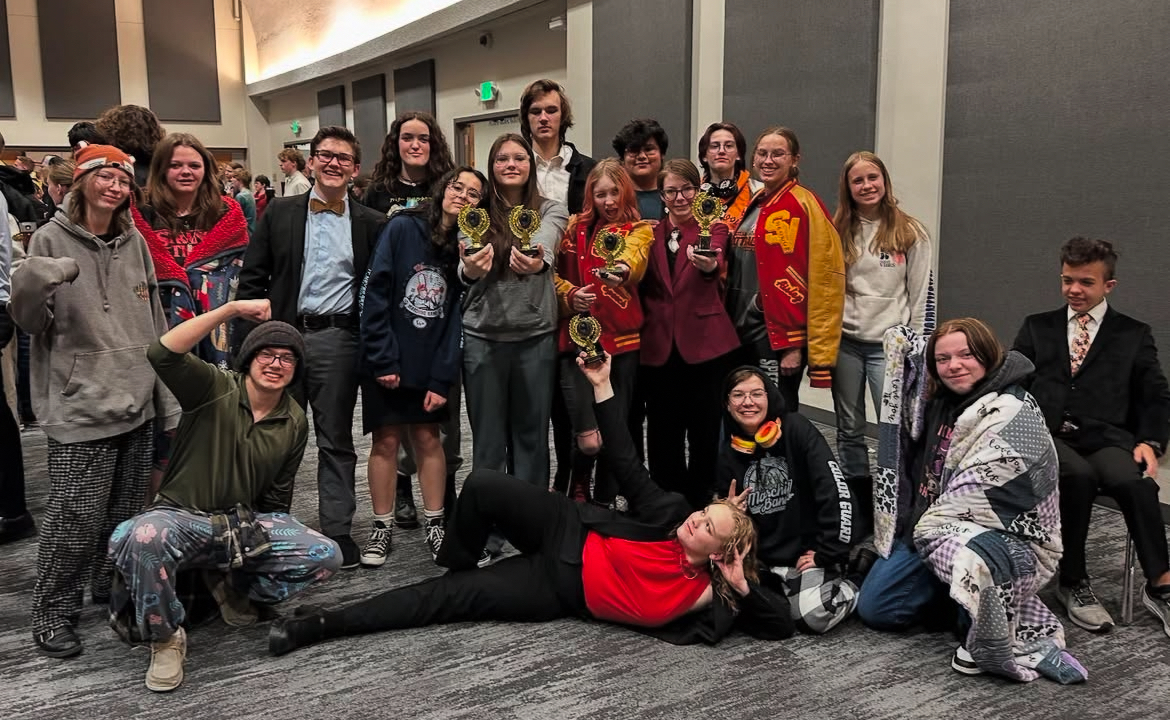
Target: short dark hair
{"x": 337, "y": 132}
{"x": 740, "y": 146}
{"x": 263, "y": 180}
{"x": 636, "y": 133}
{"x": 1081, "y": 251}
{"x": 536, "y": 89}
{"x": 85, "y": 131}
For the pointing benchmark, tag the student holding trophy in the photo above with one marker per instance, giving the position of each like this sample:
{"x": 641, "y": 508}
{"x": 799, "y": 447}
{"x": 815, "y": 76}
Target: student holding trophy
{"x": 600, "y": 262}
{"x": 510, "y": 317}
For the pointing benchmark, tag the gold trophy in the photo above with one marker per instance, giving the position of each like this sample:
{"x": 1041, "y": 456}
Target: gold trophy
{"x": 706, "y": 209}
{"x": 610, "y": 245}
{"x": 585, "y": 332}
{"x": 524, "y": 223}
{"x": 474, "y": 223}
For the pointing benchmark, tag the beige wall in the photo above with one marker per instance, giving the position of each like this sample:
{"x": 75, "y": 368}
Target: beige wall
{"x": 30, "y": 128}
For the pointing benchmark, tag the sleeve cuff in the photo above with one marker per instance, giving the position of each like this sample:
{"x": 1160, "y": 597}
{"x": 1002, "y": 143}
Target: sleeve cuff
{"x": 820, "y": 377}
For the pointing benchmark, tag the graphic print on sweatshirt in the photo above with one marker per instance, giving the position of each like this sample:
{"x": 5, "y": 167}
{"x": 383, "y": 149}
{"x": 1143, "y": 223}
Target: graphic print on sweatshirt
{"x": 771, "y": 485}
{"x": 426, "y": 295}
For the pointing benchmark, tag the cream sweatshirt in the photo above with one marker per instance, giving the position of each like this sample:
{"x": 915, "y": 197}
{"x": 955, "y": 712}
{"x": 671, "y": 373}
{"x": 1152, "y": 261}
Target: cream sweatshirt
{"x": 883, "y": 290}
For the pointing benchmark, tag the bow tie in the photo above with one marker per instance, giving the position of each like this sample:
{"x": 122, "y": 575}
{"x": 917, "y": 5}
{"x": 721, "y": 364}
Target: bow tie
{"x": 318, "y": 206}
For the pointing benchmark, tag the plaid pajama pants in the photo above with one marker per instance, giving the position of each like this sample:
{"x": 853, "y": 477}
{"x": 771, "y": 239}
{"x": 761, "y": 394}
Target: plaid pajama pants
{"x": 93, "y": 486}
{"x": 819, "y": 598}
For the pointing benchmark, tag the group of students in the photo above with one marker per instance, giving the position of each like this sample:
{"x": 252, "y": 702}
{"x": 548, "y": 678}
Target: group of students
{"x": 394, "y": 299}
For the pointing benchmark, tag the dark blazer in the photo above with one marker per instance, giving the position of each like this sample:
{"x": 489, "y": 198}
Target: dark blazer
{"x": 1119, "y": 396}
{"x": 579, "y": 168}
{"x": 275, "y": 257}
{"x": 684, "y": 307}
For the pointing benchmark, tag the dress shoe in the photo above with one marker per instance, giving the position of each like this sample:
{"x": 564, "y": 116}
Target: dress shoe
{"x": 59, "y": 642}
{"x": 289, "y": 633}
{"x": 17, "y": 528}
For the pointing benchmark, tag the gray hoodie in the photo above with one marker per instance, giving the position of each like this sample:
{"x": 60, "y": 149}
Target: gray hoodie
{"x": 92, "y": 309}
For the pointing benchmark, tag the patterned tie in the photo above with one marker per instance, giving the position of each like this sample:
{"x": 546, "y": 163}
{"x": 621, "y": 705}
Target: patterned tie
{"x": 1080, "y": 344}
{"x": 317, "y": 206}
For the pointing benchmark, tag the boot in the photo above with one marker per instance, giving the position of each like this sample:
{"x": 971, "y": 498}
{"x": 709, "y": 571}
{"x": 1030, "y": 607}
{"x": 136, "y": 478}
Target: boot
{"x": 236, "y": 609}
{"x": 405, "y": 515}
{"x": 166, "y": 662}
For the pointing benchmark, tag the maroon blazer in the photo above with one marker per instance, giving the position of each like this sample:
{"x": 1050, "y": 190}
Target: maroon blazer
{"x": 684, "y": 309}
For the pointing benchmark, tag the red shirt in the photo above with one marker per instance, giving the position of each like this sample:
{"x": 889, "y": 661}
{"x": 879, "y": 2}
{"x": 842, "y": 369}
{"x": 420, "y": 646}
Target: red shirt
{"x": 639, "y": 583}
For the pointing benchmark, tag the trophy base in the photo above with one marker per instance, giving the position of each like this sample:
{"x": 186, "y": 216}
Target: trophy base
{"x": 469, "y": 251}
{"x": 532, "y": 252}
{"x": 596, "y": 357}
{"x": 705, "y": 252}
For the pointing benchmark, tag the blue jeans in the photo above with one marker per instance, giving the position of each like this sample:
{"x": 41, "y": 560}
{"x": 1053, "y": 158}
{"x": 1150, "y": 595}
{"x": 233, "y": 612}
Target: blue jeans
{"x": 858, "y": 363}
{"x": 897, "y": 590}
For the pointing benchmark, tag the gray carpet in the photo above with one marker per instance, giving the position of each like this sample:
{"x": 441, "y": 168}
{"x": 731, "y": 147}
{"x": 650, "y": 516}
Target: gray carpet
{"x": 567, "y": 669}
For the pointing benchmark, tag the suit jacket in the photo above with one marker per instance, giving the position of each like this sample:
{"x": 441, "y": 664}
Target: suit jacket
{"x": 684, "y": 308}
{"x": 579, "y": 167}
{"x": 274, "y": 261}
{"x": 1119, "y": 396}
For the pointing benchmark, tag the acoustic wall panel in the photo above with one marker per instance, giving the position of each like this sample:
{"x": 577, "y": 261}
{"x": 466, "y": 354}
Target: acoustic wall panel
{"x": 181, "y": 66}
{"x": 7, "y": 99}
{"x": 369, "y": 116}
{"x": 331, "y": 106}
{"x": 414, "y": 87}
{"x": 642, "y": 69}
{"x": 79, "y": 58}
{"x": 1055, "y": 126}
{"x": 808, "y": 65}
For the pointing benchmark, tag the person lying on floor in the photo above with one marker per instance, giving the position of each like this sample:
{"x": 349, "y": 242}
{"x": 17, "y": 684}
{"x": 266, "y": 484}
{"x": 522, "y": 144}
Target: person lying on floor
{"x": 683, "y": 577}
{"x": 224, "y": 500}
{"x": 796, "y": 496}
{"x": 966, "y": 503}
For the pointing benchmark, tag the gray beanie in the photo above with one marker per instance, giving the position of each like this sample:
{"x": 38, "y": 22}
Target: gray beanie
{"x": 272, "y": 333}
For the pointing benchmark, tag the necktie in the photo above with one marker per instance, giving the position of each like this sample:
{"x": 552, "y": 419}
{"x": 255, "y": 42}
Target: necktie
{"x": 1080, "y": 344}
{"x": 317, "y": 206}
{"x": 672, "y": 243}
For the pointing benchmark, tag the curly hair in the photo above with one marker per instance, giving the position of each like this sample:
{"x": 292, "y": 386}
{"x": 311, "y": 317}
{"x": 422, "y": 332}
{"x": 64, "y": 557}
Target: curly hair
{"x": 741, "y": 541}
{"x": 133, "y": 129}
{"x": 389, "y": 163}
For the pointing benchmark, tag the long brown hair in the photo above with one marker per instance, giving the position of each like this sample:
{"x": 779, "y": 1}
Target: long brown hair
{"x": 498, "y": 208}
{"x": 389, "y": 163}
{"x": 208, "y": 206}
{"x": 897, "y": 232}
{"x": 981, "y": 341}
{"x": 627, "y": 199}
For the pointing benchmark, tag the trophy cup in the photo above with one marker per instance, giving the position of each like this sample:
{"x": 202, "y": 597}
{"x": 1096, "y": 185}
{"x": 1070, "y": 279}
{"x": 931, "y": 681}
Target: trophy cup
{"x": 474, "y": 223}
{"x": 706, "y": 209}
{"x": 585, "y": 332}
{"x": 523, "y": 223}
{"x": 610, "y": 245}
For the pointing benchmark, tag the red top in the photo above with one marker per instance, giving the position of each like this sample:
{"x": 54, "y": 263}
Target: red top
{"x": 639, "y": 583}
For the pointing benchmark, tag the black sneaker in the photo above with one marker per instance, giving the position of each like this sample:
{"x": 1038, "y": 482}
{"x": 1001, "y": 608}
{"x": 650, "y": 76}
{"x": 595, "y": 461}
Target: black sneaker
{"x": 378, "y": 546}
{"x": 434, "y": 538}
{"x": 349, "y": 551}
{"x": 405, "y": 514}
{"x": 59, "y": 642}
{"x": 962, "y": 662}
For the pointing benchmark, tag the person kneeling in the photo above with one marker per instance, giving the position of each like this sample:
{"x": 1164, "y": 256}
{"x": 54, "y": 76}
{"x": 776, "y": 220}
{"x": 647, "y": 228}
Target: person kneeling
{"x": 683, "y": 577}
{"x": 784, "y": 471}
{"x": 224, "y": 500}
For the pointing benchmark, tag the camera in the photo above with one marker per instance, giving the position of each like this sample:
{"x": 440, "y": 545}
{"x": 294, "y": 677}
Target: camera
{"x": 485, "y": 39}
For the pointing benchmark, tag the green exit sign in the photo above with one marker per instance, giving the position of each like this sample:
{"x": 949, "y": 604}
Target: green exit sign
{"x": 488, "y": 91}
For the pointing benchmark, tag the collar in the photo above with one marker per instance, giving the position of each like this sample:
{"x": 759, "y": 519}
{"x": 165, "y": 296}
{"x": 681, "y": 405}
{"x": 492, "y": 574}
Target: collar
{"x": 565, "y": 154}
{"x": 313, "y": 194}
{"x": 278, "y": 412}
{"x": 1097, "y": 313}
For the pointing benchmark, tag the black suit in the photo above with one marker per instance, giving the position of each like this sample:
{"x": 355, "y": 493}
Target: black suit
{"x": 274, "y": 269}
{"x": 1118, "y": 398}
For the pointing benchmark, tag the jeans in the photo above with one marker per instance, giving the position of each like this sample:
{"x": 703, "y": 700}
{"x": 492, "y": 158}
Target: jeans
{"x": 858, "y": 363}
{"x": 897, "y": 590}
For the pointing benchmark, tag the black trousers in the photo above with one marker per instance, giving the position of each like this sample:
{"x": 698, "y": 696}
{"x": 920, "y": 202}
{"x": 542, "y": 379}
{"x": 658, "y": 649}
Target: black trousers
{"x": 1110, "y": 471}
{"x": 537, "y": 586}
{"x": 763, "y": 356}
{"x": 12, "y": 499}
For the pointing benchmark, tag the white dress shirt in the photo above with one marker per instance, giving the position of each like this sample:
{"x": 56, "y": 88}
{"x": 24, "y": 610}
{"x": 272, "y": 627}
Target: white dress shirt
{"x": 1096, "y": 315}
{"x": 552, "y": 176}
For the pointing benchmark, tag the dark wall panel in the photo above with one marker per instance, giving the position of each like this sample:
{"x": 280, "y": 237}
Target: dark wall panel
{"x": 809, "y": 65}
{"x": 369, "y": 116}
{"x": 642, "y": 69}
{"x": 1046, "y": 140}
{"x": 79, "y": 57}
{"x": 414, "y": 87}
{"x": 7, "y": 99}
{"x": 331, "y": 106}
{"x": 181, "y": 66}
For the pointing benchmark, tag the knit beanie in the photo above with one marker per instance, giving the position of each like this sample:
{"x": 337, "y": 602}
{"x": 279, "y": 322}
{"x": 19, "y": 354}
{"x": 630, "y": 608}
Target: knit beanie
{"x": 270, "y": 334}
{"x": 92, "y": 157}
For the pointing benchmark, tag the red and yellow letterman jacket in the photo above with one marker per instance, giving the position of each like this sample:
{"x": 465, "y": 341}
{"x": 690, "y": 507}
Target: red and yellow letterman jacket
{"x": 618, "y": 309}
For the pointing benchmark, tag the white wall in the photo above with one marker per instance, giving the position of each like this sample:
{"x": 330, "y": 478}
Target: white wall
{"x": 31, "y": 129}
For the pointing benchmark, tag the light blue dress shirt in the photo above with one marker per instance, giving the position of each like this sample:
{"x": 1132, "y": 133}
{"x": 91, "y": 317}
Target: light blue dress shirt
{"x": 327, "y": 276}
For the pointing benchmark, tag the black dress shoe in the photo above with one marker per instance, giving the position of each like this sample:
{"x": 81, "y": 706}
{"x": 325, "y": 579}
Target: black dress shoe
{"x": 405, "y": 514}
{"x": 350, "y": 554}
{"x": 17, "y": 528}
{"x": 58, "y": 643}
{"x": 306, "y": 627}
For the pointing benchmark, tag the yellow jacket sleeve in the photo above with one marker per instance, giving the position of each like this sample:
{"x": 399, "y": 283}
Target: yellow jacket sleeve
{"x": 826, "y": 290}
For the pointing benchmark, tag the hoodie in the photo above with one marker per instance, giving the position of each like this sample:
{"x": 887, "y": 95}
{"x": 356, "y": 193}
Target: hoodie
{"x": 799, "y": 500}
{"x": 92, "y": 309}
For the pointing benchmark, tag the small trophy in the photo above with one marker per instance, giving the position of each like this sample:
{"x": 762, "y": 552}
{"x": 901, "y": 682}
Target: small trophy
{"x": 474, "y": 223}
{"x": 706, "y": 209}
{"x": 585, "y": 332}
{"x": 610, "y": 245}
{"x": 524, "y": 223}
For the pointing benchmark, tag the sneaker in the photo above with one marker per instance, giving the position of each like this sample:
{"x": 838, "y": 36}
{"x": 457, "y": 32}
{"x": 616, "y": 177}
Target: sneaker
{"x": 378, "y": 546}
{"x": 349, "y": 551}
{"x": 1083, "y": 607}
{"x": 485, "y": 559}
{"x": 166, "y": 662}
{"x": 434, "y": 538}
{"x": 1159, "y": 604}
{"x": 962, "y": 662}
{"x": 405, "y": 514}
{"x": 60, "y": 642}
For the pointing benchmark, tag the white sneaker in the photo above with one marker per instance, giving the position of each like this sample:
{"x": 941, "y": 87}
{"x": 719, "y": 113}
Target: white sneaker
{"x": 1084, "y": 609}
{"x": 166, "y": 662}
{"x": 378, "y": 546}
{"x": 962, "y": 662}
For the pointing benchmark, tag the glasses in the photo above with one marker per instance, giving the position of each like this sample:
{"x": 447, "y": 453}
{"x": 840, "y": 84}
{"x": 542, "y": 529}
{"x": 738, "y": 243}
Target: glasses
{"x": 774, "y": 155}
{"x": 107, "y": 177}
{"x": 646, "y": 150}
{"x": 287, "y": 360}
{"x": 739, "y": 397}
{"x": 725, "y": 146}
{"x": 687, "y": 193}
{"x": 326, "y": 156}
{"x": 460, "y": 190}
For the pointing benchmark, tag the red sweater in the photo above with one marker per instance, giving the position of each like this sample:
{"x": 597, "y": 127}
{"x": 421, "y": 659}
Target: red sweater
{"x": 639, "y": 583}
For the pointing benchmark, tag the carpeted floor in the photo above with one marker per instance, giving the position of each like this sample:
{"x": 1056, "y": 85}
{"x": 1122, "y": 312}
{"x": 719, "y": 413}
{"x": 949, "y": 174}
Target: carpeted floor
{"x": 568, "y": 669}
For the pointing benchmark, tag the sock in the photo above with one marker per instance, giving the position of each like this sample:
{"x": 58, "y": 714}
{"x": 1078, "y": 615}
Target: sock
{"x": 384, "y": 521}
{"x": 434, "y": 517}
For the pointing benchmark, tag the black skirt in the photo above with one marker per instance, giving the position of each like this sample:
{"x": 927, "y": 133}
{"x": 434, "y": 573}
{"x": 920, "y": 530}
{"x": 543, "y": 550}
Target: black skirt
{"x": 382, "y": 407}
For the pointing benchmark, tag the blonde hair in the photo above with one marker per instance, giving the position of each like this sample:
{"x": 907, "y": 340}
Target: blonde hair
{"x": 741, "y": 541}
{"x": 898, "y": 231}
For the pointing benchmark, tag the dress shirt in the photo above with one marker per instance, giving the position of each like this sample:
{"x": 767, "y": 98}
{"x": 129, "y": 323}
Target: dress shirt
{"x": 327, "y": 277}
{"x": 1096, "y": 315}
{"x": 552, "y": 176}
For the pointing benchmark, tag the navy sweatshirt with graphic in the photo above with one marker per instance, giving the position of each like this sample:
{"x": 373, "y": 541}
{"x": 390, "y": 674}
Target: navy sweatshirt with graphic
{"x": 410, "y": 320}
